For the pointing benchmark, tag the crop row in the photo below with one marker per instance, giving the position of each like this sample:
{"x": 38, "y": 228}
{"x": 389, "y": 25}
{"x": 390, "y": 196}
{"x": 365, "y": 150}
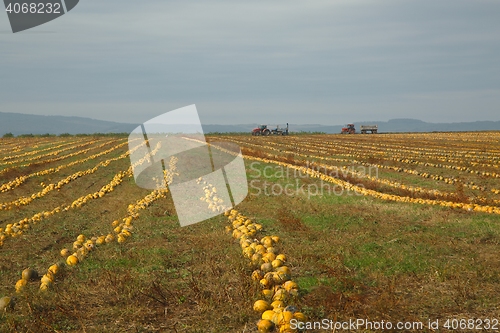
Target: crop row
{"x": 322, "y": 156}
{"x": 121, "y": 229}
{"x": 368, "y": 192}
{"x": 22, "y": 201}
{"x": 18, "y": 228}
{"x": 34, "y": 151}
{"x": 269, "y": 264}
{"x": 18, "y": 181}
{"x": 353, "y": 154}
{"x": 18, "y": 144}
{"x": 457, "y": 154}
{"x": 37, "y": 160}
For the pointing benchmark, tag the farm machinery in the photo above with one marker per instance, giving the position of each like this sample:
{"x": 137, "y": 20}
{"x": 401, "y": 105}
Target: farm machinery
{"x": 261, "y": 130}
{"x": 264, "y": 130}
{"x": 349, "y": 129}
{"x": 369, "y": 128}
{"x": 364, "y": 129}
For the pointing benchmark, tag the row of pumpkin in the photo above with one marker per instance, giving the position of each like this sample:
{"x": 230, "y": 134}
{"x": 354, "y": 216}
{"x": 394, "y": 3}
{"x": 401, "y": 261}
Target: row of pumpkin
{"x": 477, "y": 157}
{"x": 483, "y": 153}
{"x": 22, "y": 201}
{"x": 18, "y": 144}
{"x": 448, "y": 180}
{"x": 37, "y": 160}
{"x": 22, "y": 179}
{"x": 367, "y": 192}
{"x": 270, "y": 268}
{"x": 415, "y": 190}
{"x": 83, "y": 245}
{"x": 18, "y": 228}
{"x": 384, "y": 196}
{"x": 52, "y": 151}
{"x": 325, "y": 149}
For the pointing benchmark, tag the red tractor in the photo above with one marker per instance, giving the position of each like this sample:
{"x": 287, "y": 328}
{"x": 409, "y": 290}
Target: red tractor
{"x": 349, "y": 129}
{"x": 261, "y": 130}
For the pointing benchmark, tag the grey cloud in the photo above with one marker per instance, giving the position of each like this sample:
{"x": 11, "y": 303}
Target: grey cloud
{"x": 244, "y": 61}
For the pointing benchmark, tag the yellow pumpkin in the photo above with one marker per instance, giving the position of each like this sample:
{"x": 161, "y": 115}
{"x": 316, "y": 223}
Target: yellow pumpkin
{"x": 280, "y": 295}
{"x": 287, "y": 328}
{"x": 265, "y": 283}
{"x": 257, "y": 275}
{"x": 268, "y": 314}
{"x": 277, "y": 304}
{"x": 261, "y": 306}
{"x": 248, "y": 252}
{"x": 72, "y": 260}
{"x": 267, "y": 293}
{"x": 289, "y": 285}
{"x": 237, "y": 234}
{"x": 47, "y": 279}
{"x": 283, "y": 269}
{"x": 283, "y": 276}
{"x": 54, "y": 269}
{"x": 121, "y": 238}
{"x": 65, "y": 252}
{"x": 277, "y": 263}
{"x": 20, "y": 285}
{"x": 89, "y": 245}
{"x": 283, "y": 317}
{"x": 260, "y": 249}
{"x": 265, "y": 325}
{"x": 269, "y": 256}
{"x": 267, "y": 242}
{"x": 281, "y": 257}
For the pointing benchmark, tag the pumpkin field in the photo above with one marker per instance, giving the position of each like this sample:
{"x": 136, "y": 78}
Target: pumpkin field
{"x": 401, "y": 227}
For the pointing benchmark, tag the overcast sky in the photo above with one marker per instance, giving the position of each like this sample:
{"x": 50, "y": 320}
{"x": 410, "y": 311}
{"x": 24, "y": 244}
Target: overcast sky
{"x": 310, "y": 62}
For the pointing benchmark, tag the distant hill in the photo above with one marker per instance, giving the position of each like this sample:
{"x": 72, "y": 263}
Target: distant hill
{"x": 17, "y": 124}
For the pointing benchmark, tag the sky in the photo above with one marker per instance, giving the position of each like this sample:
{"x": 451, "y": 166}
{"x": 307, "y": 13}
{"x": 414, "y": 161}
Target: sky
{"x": 303, "y": 62}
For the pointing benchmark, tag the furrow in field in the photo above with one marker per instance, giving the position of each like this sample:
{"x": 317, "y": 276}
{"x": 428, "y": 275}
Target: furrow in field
{"x": 15, "y": 145}
{"x": 18, "y": 228}
{"x": 121, "y": 230}
{"x": 7, "y": 160}
{"x": 22, "y": 179}
{"x": 25, "y": 200}
{"x": 321, "y": 156}
{"x": 368, "y": 192}
{"x": 380, "y": 195}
